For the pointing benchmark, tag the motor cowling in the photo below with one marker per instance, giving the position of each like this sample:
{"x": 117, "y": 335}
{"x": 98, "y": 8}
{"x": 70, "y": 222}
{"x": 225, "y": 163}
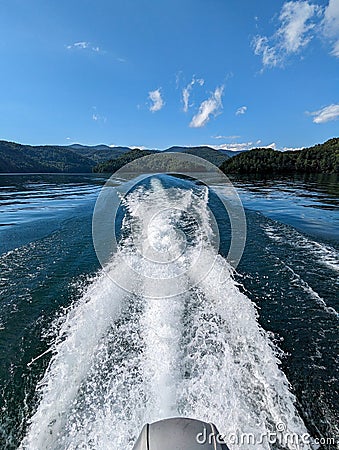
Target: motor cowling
{"x": 180, "y": 433}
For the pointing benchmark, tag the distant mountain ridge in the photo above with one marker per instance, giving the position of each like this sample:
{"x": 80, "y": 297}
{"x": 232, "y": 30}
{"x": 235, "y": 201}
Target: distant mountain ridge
{"x": 192, "y": 150}
{"x": 210, "y": 154}
{"x": 17, "y": 158}
{"x": 321, "y": 158}
{"x": 98, "y": 153}
{"x": 88, "y": 147}
{"x": 77, "y": 158}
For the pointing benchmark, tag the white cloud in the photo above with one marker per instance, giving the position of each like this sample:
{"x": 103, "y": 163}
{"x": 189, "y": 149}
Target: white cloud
{"x": 273, "y": 145}
{"x": 208, "y": 107}
{"x": 241, "y": 110}
{"x": 78, "y": 45}
{"x": 335, "y": 51}
{"x": 293, "y": 34}
{"x": 155, "y": 97}
{"x": 186, "y": 96}
{"x": 178, "y": 77}
{"x": 137, "y": 147}
{"x": 97, "y": 117}
{"x": 295, "y": 18}
{"x": 326, "y": 114}
{"x": 331, "y": 25}
{"x": 236, "y": 147}
{"x": 331, "y": 17}
{"x": 132, "y": 147}
{"x": 83, "y": 45}
{"x": 268, "y": 54}
{"x": 225, "y": 137}
{"x": 186, "y": 92}
{"x": 291, "y": 149}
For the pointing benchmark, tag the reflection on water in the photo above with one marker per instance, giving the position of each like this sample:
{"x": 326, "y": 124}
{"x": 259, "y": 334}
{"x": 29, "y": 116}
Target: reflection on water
{"x": 309, "y": 203}
{"x": 34, "y": 205}
{"x": 27, "y": 197}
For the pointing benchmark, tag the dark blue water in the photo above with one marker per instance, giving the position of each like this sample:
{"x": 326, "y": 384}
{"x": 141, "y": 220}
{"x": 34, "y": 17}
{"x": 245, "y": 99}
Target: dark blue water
{"x": 289, "y": 270}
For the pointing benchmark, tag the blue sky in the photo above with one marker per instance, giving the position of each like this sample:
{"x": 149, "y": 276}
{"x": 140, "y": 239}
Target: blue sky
{"x": 157, "y": 73}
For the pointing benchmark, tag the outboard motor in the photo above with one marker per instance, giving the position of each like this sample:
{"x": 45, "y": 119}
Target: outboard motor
{"x": 179, "y": 434}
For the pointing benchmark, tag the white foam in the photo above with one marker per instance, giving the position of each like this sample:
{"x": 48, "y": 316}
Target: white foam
{"x": 325, "y": 254}
{"x": 236, "y": 382}
{"x": 311, "y": 292}
{"x": 123, "y": 359}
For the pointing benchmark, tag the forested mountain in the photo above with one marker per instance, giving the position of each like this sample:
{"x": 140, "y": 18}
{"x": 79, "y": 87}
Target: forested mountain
{"x": 322, "y": 158}
{"x": 25, "y": 158}
{"x": 53, "y": 158}
{"x": 113, "y": 165}
{"x": 173, "y": 164}
{"x": 99, "y": 153}
{"x": 205, "y": 150}
{"x": 210, "y": 154}
{"x": 168, "y": 163}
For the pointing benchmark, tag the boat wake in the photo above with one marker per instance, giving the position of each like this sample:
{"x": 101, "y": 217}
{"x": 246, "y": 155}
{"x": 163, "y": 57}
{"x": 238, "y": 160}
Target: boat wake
{"x": 124, "y": 357}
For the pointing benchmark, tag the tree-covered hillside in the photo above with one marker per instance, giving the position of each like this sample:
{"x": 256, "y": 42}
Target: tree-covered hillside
{"x": 210, "y": 154}
{"x": 17, "y": 158}
{"x": 169, "y": 162}
{"x": 112, "y": 165}
{"x": 53, "y": 158}
{"x": 99, "y": 153}
{"x": 322, "y": 158}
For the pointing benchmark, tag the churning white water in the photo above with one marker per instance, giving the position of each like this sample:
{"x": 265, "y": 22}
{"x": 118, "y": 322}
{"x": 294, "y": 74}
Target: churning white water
{"x": 122, "y": 359}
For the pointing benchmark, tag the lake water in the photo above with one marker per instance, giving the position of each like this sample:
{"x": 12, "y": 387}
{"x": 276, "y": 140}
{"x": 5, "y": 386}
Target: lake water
{"x": 84, "y": 363}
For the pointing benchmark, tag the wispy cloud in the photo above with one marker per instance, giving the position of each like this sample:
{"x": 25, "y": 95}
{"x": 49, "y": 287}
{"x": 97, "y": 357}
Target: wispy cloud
{"x": 178, "y": 77}
{"x": 156, "y": 98}
{"x": 335, "y": 51}
{"x": 225, "y": 137}
{"x": 234, "y": 146}
{"x": 186, "y": 92}
{"x": 241, "y": 110}
{"x": 208, "y": 107}
{"x": 261, "y": 48}
{"x": 294, "y": 33}
{"x": 326, "y": 114}
{"x": 83, "y": 45}
{"x": 291, "y": 149}
{"x": 185, "y": 96}
{"x": 241, "y": 146}
{"x": 96, "y": 117}
{"x": 80, "y": 45}
{"x": 295, "y": 18}
{"x": 89, "y": 47}
{"x": 331, "y": 25}
{"x": 135, "y": 147}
